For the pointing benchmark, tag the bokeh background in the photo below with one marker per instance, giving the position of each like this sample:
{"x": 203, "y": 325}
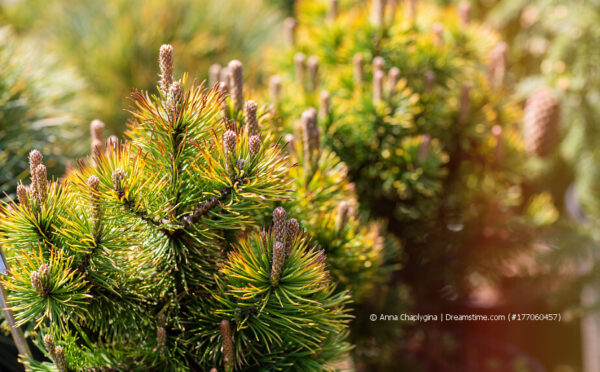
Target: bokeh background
{"x": 66, "y": 62}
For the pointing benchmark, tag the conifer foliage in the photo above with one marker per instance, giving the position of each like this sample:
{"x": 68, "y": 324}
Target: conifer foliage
{"x": 148, "y": 255}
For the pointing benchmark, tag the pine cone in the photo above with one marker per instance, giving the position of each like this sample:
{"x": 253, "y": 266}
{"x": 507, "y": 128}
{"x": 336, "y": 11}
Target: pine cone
{"x": 50, "y": 346}
{"x": 229, "y": 139}
{"x": 36, "y": 283}
{"x": 41, "y": 177}
{"x": 44, "y": 271}
{"x": 540, "y": 118}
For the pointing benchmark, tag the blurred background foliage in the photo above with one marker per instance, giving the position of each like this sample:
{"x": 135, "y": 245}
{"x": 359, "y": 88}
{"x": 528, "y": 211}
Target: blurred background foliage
{"x": 113, "y": 44}
{"x": 41, "y": 106}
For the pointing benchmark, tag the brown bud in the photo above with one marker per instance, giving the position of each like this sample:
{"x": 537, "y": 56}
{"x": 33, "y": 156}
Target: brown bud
{"x": 293, "y": 227}
{"x": 35, "y": 159}
{"x": 438, "y": 34}
{"x": 275, "y": 88}
{"x": 227, "y": 340}
{"x": 229, "y": 140}
{"x": 36, "y": 283}
{"x": 279, "y": 224}
{"x": 378, "y": 64}
{"x": 412, "y": 10}
{"x": 254, "y": 145}
{"x": 213, "y": 370}
{"x": 175, "y": 93}
{"x": 464, "y": 13}
{"x": 277, "y": 265}
{"x": 236, "y": 81}
{"x": 429, "y": 81}
{"x": 342, "y": 216}
{"x": 44, "y": 272}
{"x": 250, "y": 118}
{"x": 50, "y": 346}
{"x": 165, "y": 61}
{"x": 333, "y": 10}
{"x": 224, "y": 76}
{"x": 42, "y": 183}
{"x": 378, "y": 79}
{"x": 289, "y": 141}
{"x": 97, "y": 149}
{"x": 324, "y": 106}
{"x": 300, "y": 63}
{"x": 118, "y": 177}
{"x": 22, "y": 196}
{"x": 311, "y": 136}
{"x": 60, "y": 361}
{"x": 97, "y": 128}
{"x": 223, "y": 92}
{"x": 359, "y": 71}
{"x": 393, "y": 79}
{"x": 424, "y": 147}
{"x": 313, "y": 71}
{"x": 214, "y": 74}
{"x": 378, "y": 12}
{"x": 290, "y": 26}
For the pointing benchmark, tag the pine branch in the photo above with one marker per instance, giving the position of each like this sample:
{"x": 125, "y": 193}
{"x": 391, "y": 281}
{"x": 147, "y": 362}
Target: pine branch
{"x": 203, "y": 209}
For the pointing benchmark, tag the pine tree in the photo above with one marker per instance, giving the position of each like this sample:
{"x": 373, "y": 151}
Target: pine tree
{"x": 148, "y": 255}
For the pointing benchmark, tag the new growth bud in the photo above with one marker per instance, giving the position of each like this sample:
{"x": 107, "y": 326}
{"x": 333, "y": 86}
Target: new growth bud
{"x": 378, "y": 79}
{"x": 343, "y": 211}
{"x": 174, "y": 99}
{"x": 236, "y": 81}
{"x": 60, "y": 361}
{"x": 359, "y": 70}
{"x": 165, "y": 62}
{"x": 378, "y": 64}
{"x": 275, "y": 88}
{"x": 311, "y": 137}
{"x": 42, "y": 183}
{"x": 464, "y": 13}
{"x": 277, "y": 266}
{"x": 44, "y": 272}
{"x": 35, "y": 159}
{"x": 497, "y": 65}
{"x": 293, "y": 227}
{"x": 254, "y": 145}
{"x": 229, "y": 139}
{"x": 227, "y": 340}
{"x": 36, "y": 283}
{"x": 50, "y": 346}
{"x": 279, "y": 225}
{"x": 223, "y": 92}
{"x": 324, "y": 104}
{"x": 112, "y": 143}
{"x": 333, "y": 10}
{"x": 22, "y": 196}
{"x": 214, "y": 74}
{"x": 97, "y": 129}
{"x": 300, "y": 63}
{"x": 378, "y": 12}
{"x": 118, "y": 177}
{"x": 250, "y": 118}
{"x": 313, "y": 71}
{"x": 290, "y": 26}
